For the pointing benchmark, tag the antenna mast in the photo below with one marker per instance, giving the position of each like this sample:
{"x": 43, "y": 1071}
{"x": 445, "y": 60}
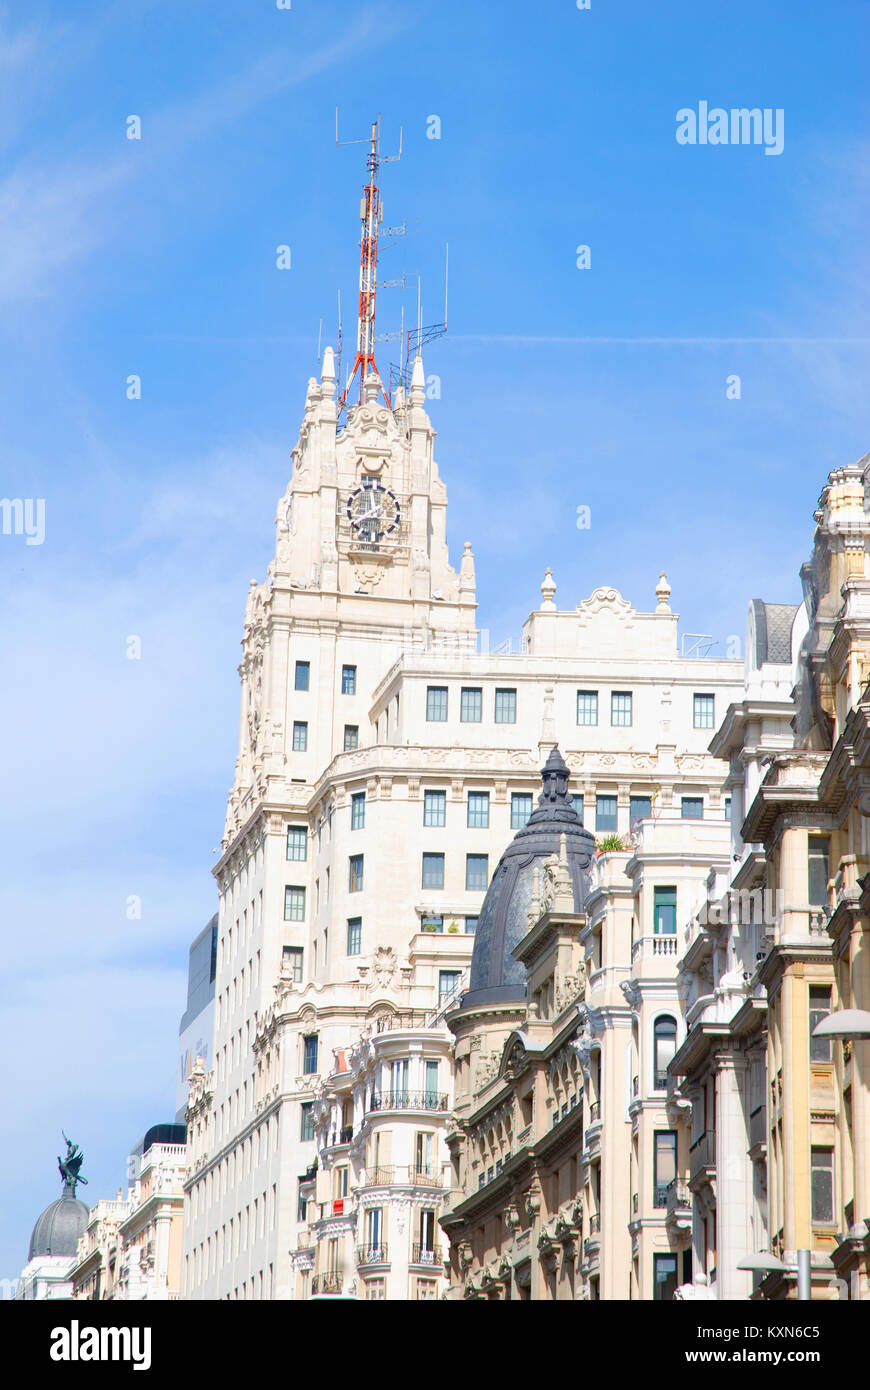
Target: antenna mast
{"x": 371, "y": 216}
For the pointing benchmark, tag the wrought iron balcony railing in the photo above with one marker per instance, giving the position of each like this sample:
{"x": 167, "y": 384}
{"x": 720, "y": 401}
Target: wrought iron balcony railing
{"x": 330, "y": 1282}
{"x": 394, "y": 1177}
{"x": 408, "y": 1100}
{"x": 426, "y": 1255}
{"x": 376, "y": 1254}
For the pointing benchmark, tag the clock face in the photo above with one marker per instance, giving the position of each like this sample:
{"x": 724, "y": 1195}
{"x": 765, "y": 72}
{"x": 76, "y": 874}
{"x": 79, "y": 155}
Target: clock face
{"x": 373, "y": 512}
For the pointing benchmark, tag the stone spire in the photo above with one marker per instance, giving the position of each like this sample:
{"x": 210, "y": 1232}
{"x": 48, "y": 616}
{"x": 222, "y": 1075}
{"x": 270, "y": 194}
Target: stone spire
{"x": 663, "y": 593}
{"x": 548, "y": 590}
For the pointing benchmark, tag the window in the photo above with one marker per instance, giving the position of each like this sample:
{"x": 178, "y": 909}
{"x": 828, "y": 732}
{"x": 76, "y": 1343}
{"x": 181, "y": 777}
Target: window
{"x": 430, "y": 1087}
{"x": 376, "y": 1290}
{"x": 478, "y": 811}
{"x": 620, "y": 708}
{"x": 471, "y": 705}
{"x": 355, "y": 873}
{"x": 309, "y": 1054}
{"x": 664, "y": 911}
{"x": 358, "y": 811}
{"x": 605, "y": 813}
{"x": 664, "y": 1278}
{"x": 306, "y": 1130}
{"x": 587, "y": 706}
{"x": 399, "y": 1082}
{"x": 292, "y": 963}
{"x": 577, "y": 803}
{"x": 639, "y": 808}
{"x": 300, "y": 736}
{"x": 434, "y": 808}
{"x": 354, "y": 936}
{"x": 427, "y": 1289}
{"x": 692, "y": 807}
{"x": 728, "y": 808}
{"x": 702, "y": 711}
{"x": 433, "y": 870}
{"x": 664, "y": 1164}
{"x": 521, "y": 809}
{"x": 301, "y": 1207}
{"x": 294, "y": 904}
{"x": 470, "y": 926}
{"x": 303, "y": 675}
{"x": 818, "y": 871}
{"x": 823, "y": 1185}
{"x": 448, "y": 981}
{"x": 664, "y": 1047}
{"x": 297, "y": 842}
{"x": 351, "y": 737}
{"x": 348, "y": 680}
{"x": 820, "y": 1007}
{"x": 432, "y": 922}
{"x": 436, "y": 704}
{"x": 476, "y": 871}
{"x": 505, "y": 707}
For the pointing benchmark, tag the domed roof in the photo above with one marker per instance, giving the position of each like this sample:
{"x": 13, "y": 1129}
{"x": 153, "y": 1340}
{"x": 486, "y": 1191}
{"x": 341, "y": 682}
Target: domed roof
{"x": 58, "y": 1229}
{"x": 496, "y": 977}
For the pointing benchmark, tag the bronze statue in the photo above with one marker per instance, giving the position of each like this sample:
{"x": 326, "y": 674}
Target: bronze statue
{"x": 70, "y": 1165}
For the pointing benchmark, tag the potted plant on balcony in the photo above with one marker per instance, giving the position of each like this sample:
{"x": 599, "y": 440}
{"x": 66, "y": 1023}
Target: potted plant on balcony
{"x": 610, "y": 844}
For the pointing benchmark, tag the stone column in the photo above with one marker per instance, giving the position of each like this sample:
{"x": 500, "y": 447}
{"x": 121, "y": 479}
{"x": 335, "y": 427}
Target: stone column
{"x": 733, "y": 1173}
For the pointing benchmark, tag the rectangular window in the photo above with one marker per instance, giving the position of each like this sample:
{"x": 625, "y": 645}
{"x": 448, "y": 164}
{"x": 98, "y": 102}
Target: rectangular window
{"x": 351, "y": 737}
{"x": 358, "y": 811}
{"x": 664, "y": 1278}
{"x": 818, "y": 870}
{"x": 297, "y": 842}
{"x": 577, "y": 803}
{"x": 301, "y": 1207}
{"x": 432, "y": 922}
{"x": 639, "y": 808}
{"x": 823, "y": 1185}
{"x": 376, "y": 1290}
{"x": 620, "y": 708}
{"x": 521, "y": 809}
{"x": 300, "y": 736}
{"x": 306, "y": 1129}
{"x": 355, "y": 873}
{"x": 587, "y": 706}
{"x": 605, "y": 813}
{"x": 430, "y": 1077}
{"x": 476, "y": 871}
{"x": 820, "y": 1007}
{"x": 309, "y": 1054}
{"x": 448, "y": 981}
{"x": 664, "y": 911}
{"x": 303, "y": 675}
{"x": 433, "y": 870}
{"x": 703, "y": 707}
{"x": 664, "y": 1164}
{"x": 692, "y": 807}
{"x": 478, "y": 811}
{"x": 348, "y": 680}
{"x": 434, "y": 808}
{"x": 294, "y": 903}
{"x": 436, "y": 704}
{"x": 292, "y": 963}
{"x": 470, "y": 926}
{"x": 354, "y": 936}
{"x": 505, "y": 707}
{"x": 471, "y": 705}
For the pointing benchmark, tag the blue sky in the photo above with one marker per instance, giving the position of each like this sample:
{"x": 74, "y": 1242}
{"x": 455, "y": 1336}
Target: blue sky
{"x": 560, "y": 388}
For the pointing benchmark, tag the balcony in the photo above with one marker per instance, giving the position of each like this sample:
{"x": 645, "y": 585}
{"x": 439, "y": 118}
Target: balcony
{"x": 331, "y": 1282}
{"x": 403, "y": 1177}
{"x": 345, "y": 1134}
{"x": 660, "y": 1197}
{"x": 408, "y": 1100}
{"x": 702, "y": 1155}
{"x": 647, "y": 947}
{"x": 423, "y": 1255}
{"x": 372, "y": 1255}
{"x": 679, "y": 1207}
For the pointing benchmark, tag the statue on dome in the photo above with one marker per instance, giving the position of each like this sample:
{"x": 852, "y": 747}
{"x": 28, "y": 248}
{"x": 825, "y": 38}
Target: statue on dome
{"x": 69, "y": 1166}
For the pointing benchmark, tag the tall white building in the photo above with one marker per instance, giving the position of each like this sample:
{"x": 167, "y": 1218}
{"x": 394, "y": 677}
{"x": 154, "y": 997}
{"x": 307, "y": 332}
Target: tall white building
{"x": 384, "y": 765}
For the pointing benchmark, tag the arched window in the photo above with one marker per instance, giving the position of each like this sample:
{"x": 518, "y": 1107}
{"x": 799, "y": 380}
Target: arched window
{"x": 664, "y": 1047}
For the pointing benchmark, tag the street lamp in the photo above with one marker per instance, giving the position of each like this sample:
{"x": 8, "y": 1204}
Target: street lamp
{"x": 844, "y": 1023}
{"x": 765, "y": 1262}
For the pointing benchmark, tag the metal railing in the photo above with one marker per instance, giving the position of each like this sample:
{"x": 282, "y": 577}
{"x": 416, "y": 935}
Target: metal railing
{"x": 345, "y": 1134}
{"x": 407, "y": 1100}
{"x": 392, "y": 1176}
{"x": 372, "y": 1254}
{"x": 660, "y": 1196}
{"x": 426, "y": 1255}
{"x": 331, "y": 1282}
{"x": 677, "y": 1195}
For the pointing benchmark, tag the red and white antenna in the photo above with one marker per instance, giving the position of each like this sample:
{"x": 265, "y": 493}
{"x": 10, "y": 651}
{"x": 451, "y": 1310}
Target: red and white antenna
{"x": 371, "y": 217}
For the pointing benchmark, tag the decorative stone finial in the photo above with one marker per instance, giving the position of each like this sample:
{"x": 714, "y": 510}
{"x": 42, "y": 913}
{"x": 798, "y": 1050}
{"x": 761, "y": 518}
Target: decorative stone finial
{"x": 372, "y": 388}
{"x": 548, "y": 589}
{"x": 663, "y": 593}
{"x": 467, "y": 579}
{"x": 327, "y": 371}
{"x": 418, "y": 382}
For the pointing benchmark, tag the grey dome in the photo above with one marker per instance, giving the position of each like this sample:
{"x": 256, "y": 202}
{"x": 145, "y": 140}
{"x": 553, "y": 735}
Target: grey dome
{"x": 496, "y": 977}
{"x": 58, "y": 1229}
